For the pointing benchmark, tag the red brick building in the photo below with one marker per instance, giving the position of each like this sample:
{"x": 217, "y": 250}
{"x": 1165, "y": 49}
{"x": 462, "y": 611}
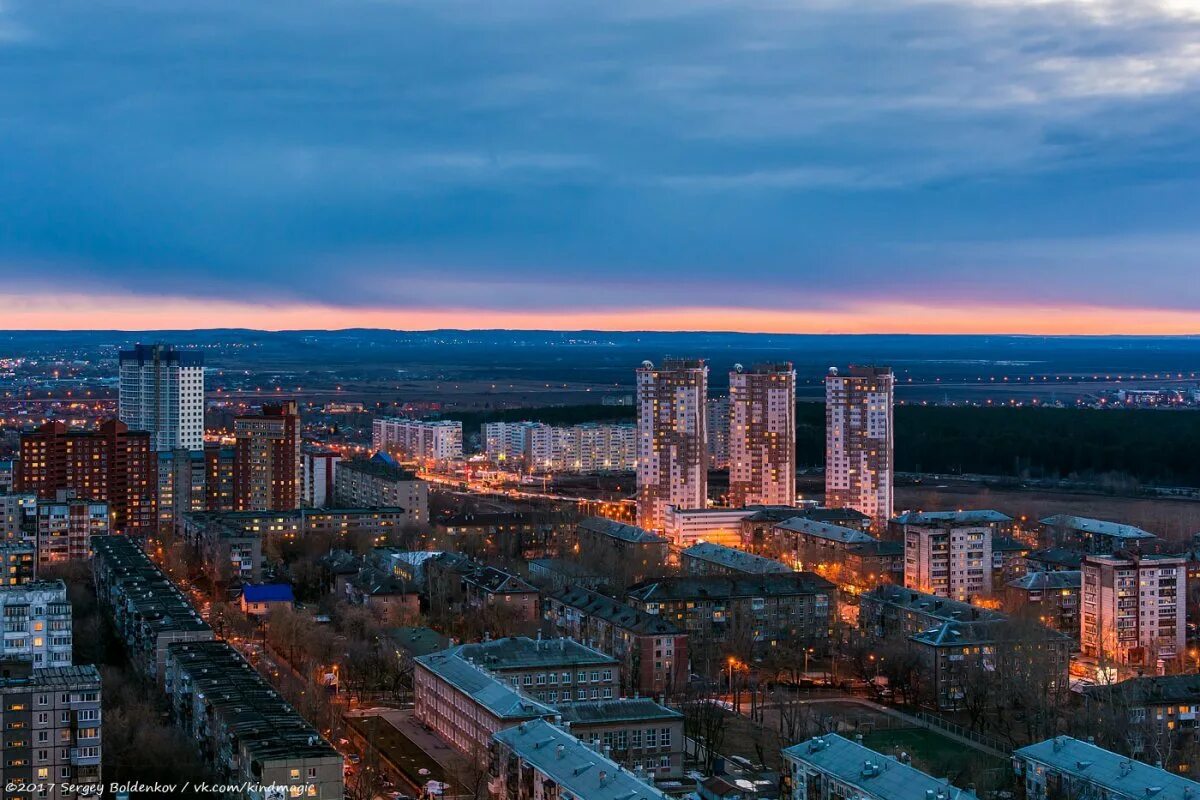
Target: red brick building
{"x": 113, "y": 464}
{"x": 266, "y": 466}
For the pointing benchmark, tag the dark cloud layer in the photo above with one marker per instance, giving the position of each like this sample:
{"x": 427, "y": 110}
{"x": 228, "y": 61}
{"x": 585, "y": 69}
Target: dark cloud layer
{"x": 534, "y": 154}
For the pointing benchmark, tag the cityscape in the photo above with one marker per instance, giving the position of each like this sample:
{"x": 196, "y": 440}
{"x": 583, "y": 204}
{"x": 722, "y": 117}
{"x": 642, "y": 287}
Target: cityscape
{"x": 653, "y": 592}
{"x": 600, "y": 400}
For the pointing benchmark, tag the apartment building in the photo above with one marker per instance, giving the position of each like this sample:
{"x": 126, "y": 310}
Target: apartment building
{"x": 891, "y": 609}
{"x": 318, "y": 470}
{"x": 464, "y": 704}
{"x": 832, "y": 767}
{"x": 653, "y": 651}
{"x": 51, "y": 727}
{"x": 590, "y": 447}
{"x": 859, "y": 442}
{"x": 181, "y": 480}
{"x": 245, "y": 731}
{"x": 162, "y": 393}
{"x": 553, "y": 671}
{"x": 37, "y": 624}
{"x": 65, "y": 527}
{"x": 760, "y": 609}
{"x": 536, "y": 760}
{"x": 1052, "y": 598}
{"x": 685, "y": 526}
{"x": 717, "y": 411}
{"x": 148, "y": 611}
{"x": 1094, "y": 536}
{"x": 949, "y": 553}
{"x": 638, "y": 733}
{"x": 706, "y": 558}
{"x": 1133, "y": 609}
{"x": 231, "y": 554}
{"x": 1063, "y": 767}
{"x": 672, "y": 467}
{"x": 627, "y": 551}
{"x": 112, "y": 464}
{"x": 380, "y": 481}
{"x": 266, "y": 467}
{"x": 18, "y": 563}
{"x": 423, "y": 441}
{"x": 762, "y": 435}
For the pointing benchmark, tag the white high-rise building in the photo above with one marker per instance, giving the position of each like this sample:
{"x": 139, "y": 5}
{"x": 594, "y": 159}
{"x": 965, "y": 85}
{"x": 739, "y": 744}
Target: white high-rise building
{"x": 672, "y": 468}
{"x": 1133, "y": 609}
{"x": 162, "y": 392}
{"x": 37, "y": 623}
{"x": 858, "y": 442}
{"x": 430, "y": 441}
{"x": 762, "y": 435}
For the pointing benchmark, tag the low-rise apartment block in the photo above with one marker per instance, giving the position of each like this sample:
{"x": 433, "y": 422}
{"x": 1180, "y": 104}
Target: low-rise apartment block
{"x": 626, "y": 552}
{"x": 1070, "y": 768}
{"x": 147, "y": 610}
{"x": 65, "y": 527}
{"x": 1094, "y": 536}
{"x": 553, "y": 671}
{"x": 1133, "y": 608}
{"x": 831, "y": 767}
{"x": 707, "y": 558}
{"x": 888, "y": 610}
{"x": 18, "y": 563}
{"x": 244, "y": 729}
{"x": 1050, "y": 597}
{"x": 798, "y": 606}
{"x": 538, "y": 761}
{"x": 636, "y": 732}
{"x": 380, "y": 481}
{"x": 653, "y": 651}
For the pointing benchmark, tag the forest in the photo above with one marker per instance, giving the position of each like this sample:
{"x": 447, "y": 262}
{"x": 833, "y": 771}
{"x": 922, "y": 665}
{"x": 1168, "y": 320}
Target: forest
{"x": 1147, "y": 446}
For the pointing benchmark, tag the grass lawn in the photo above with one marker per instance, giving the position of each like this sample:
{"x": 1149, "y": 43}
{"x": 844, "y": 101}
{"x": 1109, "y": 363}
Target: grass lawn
{"x": 940, "y": 756}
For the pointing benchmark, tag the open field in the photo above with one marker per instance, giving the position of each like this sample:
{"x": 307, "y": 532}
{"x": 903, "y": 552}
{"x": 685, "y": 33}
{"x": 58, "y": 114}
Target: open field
{"x": 940, "y": 756}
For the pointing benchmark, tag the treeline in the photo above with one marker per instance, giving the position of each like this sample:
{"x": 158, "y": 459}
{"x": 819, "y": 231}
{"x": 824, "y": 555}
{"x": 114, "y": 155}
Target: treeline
{"x": 1147, "y": 446}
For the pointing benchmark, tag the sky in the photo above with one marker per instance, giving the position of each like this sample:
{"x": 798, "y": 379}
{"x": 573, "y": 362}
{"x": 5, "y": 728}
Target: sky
{"x": 1024, "y": 166}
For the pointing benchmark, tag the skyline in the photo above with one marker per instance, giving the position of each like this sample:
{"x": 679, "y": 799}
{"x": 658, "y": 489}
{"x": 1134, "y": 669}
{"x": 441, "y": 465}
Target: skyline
{"x": 955, "y": 166}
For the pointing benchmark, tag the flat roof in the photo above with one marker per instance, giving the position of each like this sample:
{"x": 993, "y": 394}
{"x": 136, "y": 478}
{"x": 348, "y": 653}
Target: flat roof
{"x": 627, "y": 709}
{"x": 521, "y": 652}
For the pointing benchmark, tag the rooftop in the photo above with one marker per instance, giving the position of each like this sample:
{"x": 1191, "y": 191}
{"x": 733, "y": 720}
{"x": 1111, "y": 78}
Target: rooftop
{"x": 957, "y": 633}
{"x": 377, "y": 468}
{"x": 1100, "y": 526}
{"x": 730, "y": 586}
{"x": 575, "y": 767}
{"x": 521, "y": 652}
{"x": 960, "y": 517}
{"x": 267, "y": 593}
{"x": 1152, "y": 690}
{"x": 614, "y": 612}
{"x": 942, "y": 608}
{"x": 497, "y": 581}
{"x": 825, "y": 530}
{"x": 1118, "y": 774}
{"x": 619, "y": 530}
{"x": 497, "y": 696}
{"x": 417, "y": 641}
{"x": 81, "y": 676}
{"x": 873, "y": 773}
{"x": 734, "y": 559}
{"x": 628, "y": 709}
{"x": 1039, "y": 581}
{"x": 1057, "y": 556}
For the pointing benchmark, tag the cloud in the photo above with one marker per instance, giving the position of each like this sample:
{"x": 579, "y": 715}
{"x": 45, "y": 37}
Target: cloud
{"x": 531, "y": 154}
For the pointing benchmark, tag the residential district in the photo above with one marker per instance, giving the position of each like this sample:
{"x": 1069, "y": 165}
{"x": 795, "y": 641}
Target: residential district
{"x": 244, "y": 605}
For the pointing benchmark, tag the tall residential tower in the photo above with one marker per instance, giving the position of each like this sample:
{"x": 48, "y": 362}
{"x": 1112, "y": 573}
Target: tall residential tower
{"x": 762, "y": 435}
{"x": 672, "y": 468}
{"x": 162, "y": 392}
{"x": 858, "y": 442}
{"x": 266, "y": 466}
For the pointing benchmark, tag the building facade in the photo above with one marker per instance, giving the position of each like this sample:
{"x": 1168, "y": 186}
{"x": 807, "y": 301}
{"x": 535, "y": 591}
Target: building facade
{"x": 162, "y": 393}
{"x": 672, "y": 465}
{"x": 37, "y": 624}
{"x": 318, "y": 470}
{"x": 266, "y": 468}
{"x": 762, "y": 435}
{"x": 50, "y": 722}
{"x": 112, "y": 464}
{"x": 425, "y": 441}
{"x": 949, "y": 553}
{"x": 381, "y": 482}
{"x": 65, "y": 528}
{"x": 858, "y": 442}
{"x": 1133, "y": 609}
{"x": 706, "y": 558}
{"x": 1068, "y": 768}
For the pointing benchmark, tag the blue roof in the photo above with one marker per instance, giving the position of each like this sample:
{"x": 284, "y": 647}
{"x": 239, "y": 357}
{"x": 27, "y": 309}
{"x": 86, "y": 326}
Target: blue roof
{"x": 267, "y": 592}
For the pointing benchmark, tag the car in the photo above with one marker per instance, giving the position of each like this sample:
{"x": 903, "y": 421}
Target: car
{"x": 354, "y": 758}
